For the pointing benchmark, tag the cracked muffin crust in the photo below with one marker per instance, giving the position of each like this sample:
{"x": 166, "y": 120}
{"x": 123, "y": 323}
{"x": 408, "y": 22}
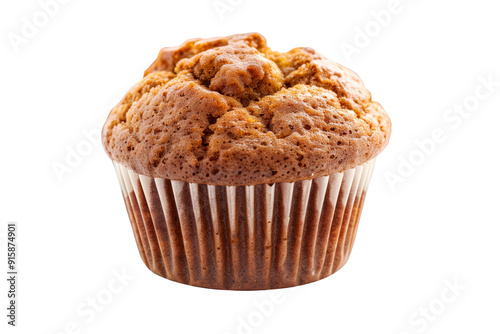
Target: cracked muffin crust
{"x": 230, "y": 111}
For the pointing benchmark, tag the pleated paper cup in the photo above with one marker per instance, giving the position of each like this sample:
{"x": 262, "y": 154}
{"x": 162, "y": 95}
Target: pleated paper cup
{"x": 258, "y": 237}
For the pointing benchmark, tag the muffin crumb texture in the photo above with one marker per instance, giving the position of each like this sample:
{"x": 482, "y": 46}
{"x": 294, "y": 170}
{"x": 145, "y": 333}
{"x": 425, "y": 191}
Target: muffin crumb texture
{"x": 230, "y": 111}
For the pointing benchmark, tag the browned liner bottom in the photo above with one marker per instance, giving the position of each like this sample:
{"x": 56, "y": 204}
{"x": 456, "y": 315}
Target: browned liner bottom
{"x": 245, "y": 238}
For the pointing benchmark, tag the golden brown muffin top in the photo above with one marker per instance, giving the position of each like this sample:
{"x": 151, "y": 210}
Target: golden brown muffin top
{"x": 230, "y": 111}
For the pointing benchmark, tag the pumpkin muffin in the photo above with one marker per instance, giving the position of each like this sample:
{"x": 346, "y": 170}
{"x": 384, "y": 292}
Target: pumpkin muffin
{"x": 242, "y": 167}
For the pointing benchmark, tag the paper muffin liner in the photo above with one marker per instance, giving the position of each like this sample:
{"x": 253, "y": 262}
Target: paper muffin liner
{"x": 245, "y": 237}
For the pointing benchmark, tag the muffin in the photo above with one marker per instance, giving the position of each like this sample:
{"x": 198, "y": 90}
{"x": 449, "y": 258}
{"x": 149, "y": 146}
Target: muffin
{"x": 244, "y": 168}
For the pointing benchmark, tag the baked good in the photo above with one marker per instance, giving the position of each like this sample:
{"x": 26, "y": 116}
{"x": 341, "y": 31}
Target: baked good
{"x": 243, "y": 167}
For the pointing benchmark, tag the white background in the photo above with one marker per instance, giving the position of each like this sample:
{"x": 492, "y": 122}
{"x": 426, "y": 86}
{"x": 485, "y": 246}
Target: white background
{"x": 438, "y": 224}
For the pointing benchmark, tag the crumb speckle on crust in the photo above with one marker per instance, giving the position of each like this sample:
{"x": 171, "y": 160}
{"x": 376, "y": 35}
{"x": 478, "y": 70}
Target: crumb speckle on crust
{"x": 230, "y": 111}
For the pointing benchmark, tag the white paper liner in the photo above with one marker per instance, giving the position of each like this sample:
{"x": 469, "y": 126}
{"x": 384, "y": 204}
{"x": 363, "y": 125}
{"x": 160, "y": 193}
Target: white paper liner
{"x": 245, "y": 237}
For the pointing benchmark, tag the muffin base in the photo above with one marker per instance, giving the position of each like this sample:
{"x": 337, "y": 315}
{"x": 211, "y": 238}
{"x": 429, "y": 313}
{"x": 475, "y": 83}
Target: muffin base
{"x": 258, "y": 237}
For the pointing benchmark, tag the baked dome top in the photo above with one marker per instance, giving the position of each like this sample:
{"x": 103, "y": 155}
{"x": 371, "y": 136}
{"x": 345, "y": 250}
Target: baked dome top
{"x": 230, "y": 111}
